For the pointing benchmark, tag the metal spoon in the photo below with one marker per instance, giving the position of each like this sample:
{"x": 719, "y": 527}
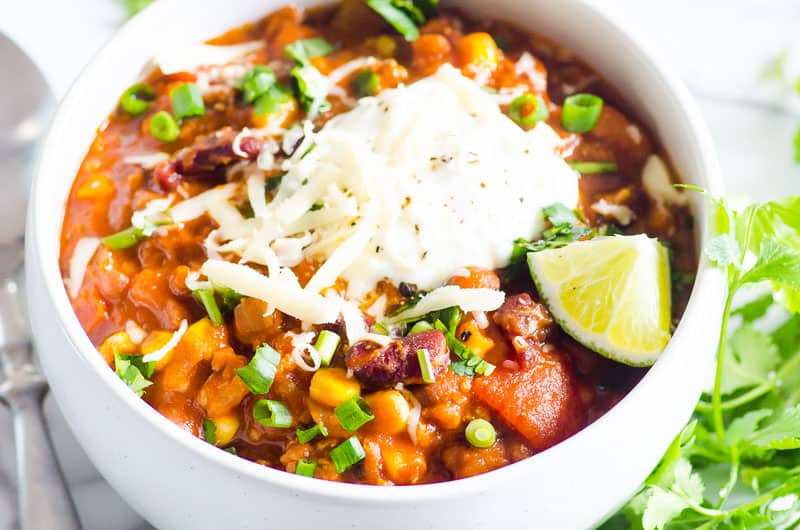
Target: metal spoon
{"x": 44, "y": 499}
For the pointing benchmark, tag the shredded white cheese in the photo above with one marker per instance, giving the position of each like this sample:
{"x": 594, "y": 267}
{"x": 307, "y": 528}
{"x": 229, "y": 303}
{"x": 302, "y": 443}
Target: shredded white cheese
{"x": 480, "y": 319}
{"x": 658, "y": 184}
{"x": 169, "y": 346}
{"x": 354, "y": 325}
{"x": 194, "y": 283}
{"x": 340, "y": 73}
{"x": 619, "y": 212}
{"x": 451, "y": 295}
{"x": 283, "y": 295}
{"x": 81, "y": 256}
{"x": 302, "y": 348}
{"x": 146, "y": 160}
{"x": 135, "y": 333}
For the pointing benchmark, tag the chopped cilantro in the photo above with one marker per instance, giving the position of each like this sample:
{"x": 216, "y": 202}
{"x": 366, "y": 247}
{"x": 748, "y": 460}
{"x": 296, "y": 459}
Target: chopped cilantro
{"x": 565, "y": 227}
{"x": 134, "y": 372}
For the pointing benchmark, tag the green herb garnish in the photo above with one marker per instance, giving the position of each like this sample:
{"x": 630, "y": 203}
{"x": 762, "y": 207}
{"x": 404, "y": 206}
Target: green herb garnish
{"x": 302, "y": 51}
{"x": 134, "y": 372}
{"x": 405, "y": 15}
{"x": 565, "y": 228}
{"x": 737, "y": 464}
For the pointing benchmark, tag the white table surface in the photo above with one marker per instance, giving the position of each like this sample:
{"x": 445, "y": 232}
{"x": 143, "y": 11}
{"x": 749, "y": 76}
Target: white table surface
{"x": 719, "y": 47}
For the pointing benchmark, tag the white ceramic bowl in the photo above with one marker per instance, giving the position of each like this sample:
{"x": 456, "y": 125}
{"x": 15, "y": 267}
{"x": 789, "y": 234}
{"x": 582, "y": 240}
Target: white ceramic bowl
{"x": 179, "y": 482}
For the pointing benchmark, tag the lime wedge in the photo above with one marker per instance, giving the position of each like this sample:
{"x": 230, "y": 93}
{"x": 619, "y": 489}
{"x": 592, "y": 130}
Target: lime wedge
{"x": 612, "y": 294}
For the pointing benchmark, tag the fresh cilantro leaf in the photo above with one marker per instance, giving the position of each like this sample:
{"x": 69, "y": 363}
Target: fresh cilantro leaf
{"x": 782, "y": 432}
{"x": 302, "y": 51}
{"x": 558, "y": 214}
{"x": 272, "y": 100}
{"x": 565, "y": 228}
{"x": 787, "y": 336}
{"x": 749, "y": 359}
{"x": 664, "y": 504}
{"x": 399, "y": 19}
{"x": 133, "y": 372}
{"x": 723, "y": 250}
{"x": 774, "y": 220}
{"x": 740, "y": 428}
{"x": 209, "y": 431}
{"x": 777, "y": 263}
{"x": 468, "y": 363}
{"x": 312, "y": 89}
{"x": 756, "y": 308}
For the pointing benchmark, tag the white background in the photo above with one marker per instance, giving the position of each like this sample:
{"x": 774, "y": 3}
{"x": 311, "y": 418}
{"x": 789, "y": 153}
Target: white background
{"x": 719, "y": 47}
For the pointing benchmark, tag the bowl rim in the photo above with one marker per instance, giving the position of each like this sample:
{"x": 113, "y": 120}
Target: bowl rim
{"x": 696, "y": 310}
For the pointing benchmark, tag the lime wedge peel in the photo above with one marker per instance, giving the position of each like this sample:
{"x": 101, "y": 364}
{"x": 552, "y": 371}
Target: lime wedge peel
{"x": 612, "y": 294}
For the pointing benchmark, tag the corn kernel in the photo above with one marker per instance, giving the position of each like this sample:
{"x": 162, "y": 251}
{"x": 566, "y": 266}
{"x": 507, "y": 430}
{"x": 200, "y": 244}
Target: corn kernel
{"x": 391, "y": 411}
{"x": 119, "y": 342}
{"x": 477, "y": 341}
{"x": 385, "y": 46}
{"x": 478, "y": 50}
{"x": 332, "y": 387}
{"x": 98, "y": 186}
{"x": 153, "y": 342}
{"x": 402, "y": 462}
{"x": 227, "y": 427}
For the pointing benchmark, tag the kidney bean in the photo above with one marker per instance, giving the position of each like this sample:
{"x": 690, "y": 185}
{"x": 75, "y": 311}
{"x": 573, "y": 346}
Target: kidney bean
{"x": 375, "y": 365}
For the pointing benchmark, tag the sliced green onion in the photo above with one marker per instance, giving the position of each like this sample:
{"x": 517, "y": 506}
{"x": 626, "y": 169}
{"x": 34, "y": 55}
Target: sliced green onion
{"x": 528, "y": 109}
{"x": 272, "y": 100}
{"x": 230, "y": 298}
{"x": 123, "y": 239}
{"x": 209, "y": 301}
{"x": 271, "y": 413}
{"x": 581, "y": 112}
{"x": 425, "y": 366}
{"x": 306, "y": 467}
{"x": 419, "y": 327}
{"x": 209, "y": 431}
{"x": 480, "y": 433}
{"x": 137, "y": 99}
{"x": 256, "y": 82}
{"x": 259, "y": 373}
{"x": 396, "y": 17}
{"x": 354, "y": 413}
{"x": 302, "y": 51}
{"x": 326, "y": 345}
{"x": 365, "y": 83}
{"x": 593, "y": 168}
{"x": 306, "y": 435}
{"x": 347, "y": 454}
{"x": 164, "y": 127}
{"x": 187, "y": 101}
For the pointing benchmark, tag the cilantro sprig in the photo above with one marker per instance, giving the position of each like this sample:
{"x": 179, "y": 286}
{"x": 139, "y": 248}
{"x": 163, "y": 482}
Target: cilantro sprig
{"x": 565, "y": 227}
{"x": 737, "y": 464}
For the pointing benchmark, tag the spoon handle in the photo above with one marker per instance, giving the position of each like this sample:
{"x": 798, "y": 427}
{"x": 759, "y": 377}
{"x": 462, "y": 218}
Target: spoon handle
{"x": 44, "y": 500}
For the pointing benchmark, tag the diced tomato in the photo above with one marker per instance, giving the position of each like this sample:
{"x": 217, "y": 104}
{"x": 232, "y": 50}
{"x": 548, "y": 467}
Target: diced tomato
{"x": 542, "y": 403}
